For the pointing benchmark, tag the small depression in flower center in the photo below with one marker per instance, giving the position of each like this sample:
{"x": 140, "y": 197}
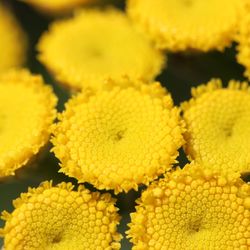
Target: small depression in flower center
{"x": 94, "y": 52}
{"x": 119, "y": 135}
{"x": 187, "y": 3}
{"x": 195, "y": 227}
{"x": 57, "y": 239}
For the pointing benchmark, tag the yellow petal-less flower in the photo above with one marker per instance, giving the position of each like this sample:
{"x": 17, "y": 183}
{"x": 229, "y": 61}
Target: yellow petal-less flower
{"x": 179, "y": 25}
{"x": 56, "y": 6}
{"x": 27, "y": 110}
{"x": 243, "y": 56}
{"x": 13, "y": 40}
{"x": 120, "y": 136}
{"x": 95, "y": 45}
{"x": 59, "y": 218}
{"x": 193, "y": 209}
{"x": 217, "y": 121}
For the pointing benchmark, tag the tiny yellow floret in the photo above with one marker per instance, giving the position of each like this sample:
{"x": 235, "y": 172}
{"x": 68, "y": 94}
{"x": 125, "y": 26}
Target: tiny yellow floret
{"x": 58, "y": 218}
{"x": 217, "y": 121}
{"x": 27, "y": 110}
{"x": 13, "y": 44}
{"x": 179, "y": 25}
{"x": 95, "y": 45}
{"x": 198, "y": 212}
{"x": 120, "y": 136}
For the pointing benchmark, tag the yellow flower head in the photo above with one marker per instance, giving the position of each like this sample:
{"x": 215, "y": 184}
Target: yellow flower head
{"x": 218, "y": 130}
{"x": 192, "y": 209}
{"x": 58, "y": 218}
{"x": 179, "y": 25}
{"x": 13, "y": 41}
{"x": 56, "y": 6}
{"x": 27, "y": 110}
{"x": 118, "y": 137}
{"x": 242, "y": 38}
{"x": 95, "y": 45}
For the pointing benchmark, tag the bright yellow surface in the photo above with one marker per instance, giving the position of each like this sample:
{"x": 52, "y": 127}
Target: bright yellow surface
{"x": 56, "y": 6}
{"x": 27, "y": 110}
{"x": 95, "y": 45}
{"x": 57, "y": 218}
{"x": 12, "y": 42}
{"x": 179, "y": 25}
{"x": 218, "y": 128}
{"x": 119, "y": 137}
{"x": 193, "y": 209}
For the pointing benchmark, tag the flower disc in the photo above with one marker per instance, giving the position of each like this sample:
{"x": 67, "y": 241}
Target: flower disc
{"x": 118, "y": 137}
{"x": 27, "y": 110}
{"x": 192, "y": 209}
{"x": 95, "y": 45}
{"x": 58, "y": 218}
{"x": 218, "y": 131}
{"x": 13, "y": 40}
{"x": 57, "y": 6}
{"x": 179, "y": 25}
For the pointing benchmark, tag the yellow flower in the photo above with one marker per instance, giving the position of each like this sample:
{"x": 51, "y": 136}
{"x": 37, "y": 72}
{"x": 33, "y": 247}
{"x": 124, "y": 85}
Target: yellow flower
{"x": 120, "y": 136}
{"x": 59, "y": 218}
{"x": 192, "y": 209}
{"x": 179, "y": 25}
{"x": 95, "y": 45}
{"x": 13, "y": 40}
{"x": 57, "y": 6}
{"x": 242, "y": 38}
{"x": 218, "y": 130}
{"x": 27, "y": 110}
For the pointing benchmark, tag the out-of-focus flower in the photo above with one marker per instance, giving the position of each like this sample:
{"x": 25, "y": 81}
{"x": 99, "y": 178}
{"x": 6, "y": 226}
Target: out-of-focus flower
{"x": 193, "y": 209}
{"x": 59, "y": 218}
{"x": 13, "y": 41}
{"x": 95, "y": 45}
{"x": 217, "y": 121}
{"x": 57, "y": 7}
{"x": 27, "y": 110}
{"x": 120, "y": 136}
{"x": 179, "y": 25}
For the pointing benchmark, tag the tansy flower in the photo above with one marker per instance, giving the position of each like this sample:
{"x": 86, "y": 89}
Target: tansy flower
{"x": 94, "y": 45}
{"x": 12, "y": 42}
{"x": 120, "y": 136}
{"x": 178, "y": 25}
{"x": 192, "y": 209}
{"x": 59, "y": 218}
{"x": 242, "y": 38}
{"x": 217, "y": 121}
{"x": 57, "y": 6}
{"x": 27, "y": 110}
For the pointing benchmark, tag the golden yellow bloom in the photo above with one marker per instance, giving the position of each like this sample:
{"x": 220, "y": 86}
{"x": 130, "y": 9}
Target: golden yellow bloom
{"x": 95, "y": 45}
{"x": 59, "y": 218}
{"x": 27, "y": 110}
{"x": 179, "y": 25}
{"x": 120, "y": 136}
{"x": 193, "y": 209}
{"x": 218, "y": 130}
{"x": 242, "y": 38}
{"x": 12, "y": 42}
{"x": 57, "y": 6}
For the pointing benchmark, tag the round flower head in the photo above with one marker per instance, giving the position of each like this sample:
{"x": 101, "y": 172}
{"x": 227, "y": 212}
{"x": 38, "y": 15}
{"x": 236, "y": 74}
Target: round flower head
{"x": 179, "y": 25}
{"x": 27, "y": 110}
{"x": 192, "y": 209}
{"x": 59, "y": 218}
{"x": 119, "y": 136}
{"x": 12, "y": 42}
{"x": 56, "y": 6}
{"x": 242, "y": 38}
{"x": 217, "y": 121}
{"x": 95, "y": 45}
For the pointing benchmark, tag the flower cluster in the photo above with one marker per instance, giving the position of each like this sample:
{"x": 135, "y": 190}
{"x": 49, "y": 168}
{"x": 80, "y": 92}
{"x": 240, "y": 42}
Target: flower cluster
{"x": 121, "y": 129}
